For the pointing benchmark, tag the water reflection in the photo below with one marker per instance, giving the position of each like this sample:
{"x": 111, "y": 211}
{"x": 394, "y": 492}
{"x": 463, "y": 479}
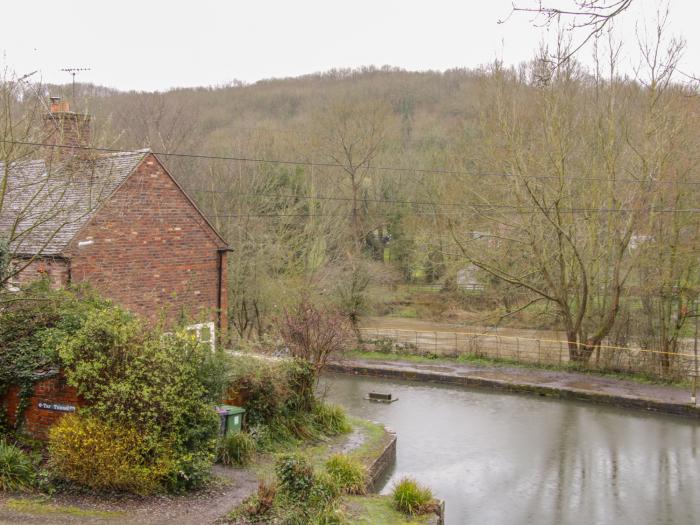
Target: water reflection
{"x": 499, "y": 458}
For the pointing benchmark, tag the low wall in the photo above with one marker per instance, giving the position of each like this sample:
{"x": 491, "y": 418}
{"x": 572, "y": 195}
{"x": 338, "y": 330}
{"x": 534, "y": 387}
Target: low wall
{"x": 380, "y": 464}
{"x": 52, "y": 399}
{"x": 621, "y": 401}
{"x": 378, "y": 469}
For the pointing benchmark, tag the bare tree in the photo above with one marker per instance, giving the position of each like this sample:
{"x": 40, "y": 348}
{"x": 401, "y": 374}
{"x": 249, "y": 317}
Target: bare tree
{"x": 353, "y": 135}
{"x": 21, "y": 128}
{"x": 37, "y": 201}
{"x": 589, "y": 17}
{"x": 314, "y": 335}
{"x": 584, "y": 176}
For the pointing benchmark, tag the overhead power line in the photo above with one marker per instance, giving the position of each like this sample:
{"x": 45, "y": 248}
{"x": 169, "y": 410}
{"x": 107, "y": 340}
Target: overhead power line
{"x": 514, "y": 211}
{"x": 397, "y": 169}
{"x": 465, "y": 206}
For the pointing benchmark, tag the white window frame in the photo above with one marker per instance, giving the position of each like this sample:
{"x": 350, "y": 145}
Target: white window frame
{"x": 197, "y": 329}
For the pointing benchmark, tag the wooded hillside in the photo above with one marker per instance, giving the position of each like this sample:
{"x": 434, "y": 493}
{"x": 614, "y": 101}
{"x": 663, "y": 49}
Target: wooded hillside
{"x": 573, "y": 191}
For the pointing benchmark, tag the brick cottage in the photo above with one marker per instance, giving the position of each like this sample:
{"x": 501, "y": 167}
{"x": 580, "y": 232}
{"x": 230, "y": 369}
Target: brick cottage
{"x": 118, "y": 221}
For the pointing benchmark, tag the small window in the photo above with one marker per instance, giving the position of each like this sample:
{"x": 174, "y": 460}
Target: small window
{"x": 204, "y": 333}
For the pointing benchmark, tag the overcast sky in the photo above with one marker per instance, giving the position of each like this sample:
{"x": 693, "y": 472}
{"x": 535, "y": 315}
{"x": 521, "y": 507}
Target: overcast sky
{"x": 158, "y": 44}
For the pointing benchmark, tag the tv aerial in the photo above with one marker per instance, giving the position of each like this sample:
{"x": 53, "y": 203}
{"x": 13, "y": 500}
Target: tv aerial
{"x": 74, "y": 71}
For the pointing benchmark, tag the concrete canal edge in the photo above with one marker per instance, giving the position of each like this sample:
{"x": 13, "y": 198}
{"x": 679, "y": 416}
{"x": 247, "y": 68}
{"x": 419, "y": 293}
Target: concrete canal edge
{"x": 381, "y": 463}
{"x": 379, "y": 466}
{"x": 576, "y": 394}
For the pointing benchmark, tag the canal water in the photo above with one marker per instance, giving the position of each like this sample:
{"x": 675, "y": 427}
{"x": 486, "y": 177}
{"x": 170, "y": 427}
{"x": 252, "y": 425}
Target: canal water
{"x": 500, "y": 458}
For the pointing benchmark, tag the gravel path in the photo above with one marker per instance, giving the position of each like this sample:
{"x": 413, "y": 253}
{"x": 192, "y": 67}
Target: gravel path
{"x": 231, "y": 487}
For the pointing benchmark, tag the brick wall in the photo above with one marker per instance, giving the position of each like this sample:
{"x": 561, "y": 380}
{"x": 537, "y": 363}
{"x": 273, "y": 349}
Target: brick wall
{"x": 65, "y": 128}
{"x": 56, "y": 270}
{"x": 151, "y": 251}
{"x": 48, "y": 392}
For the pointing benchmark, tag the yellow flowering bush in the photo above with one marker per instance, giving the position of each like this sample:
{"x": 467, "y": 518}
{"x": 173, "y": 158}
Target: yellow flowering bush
{"x": 107, "y": 457}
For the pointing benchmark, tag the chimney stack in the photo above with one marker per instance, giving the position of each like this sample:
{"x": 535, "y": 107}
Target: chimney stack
{"x": 67, "y": 129}
{"x": 57, "y": 106}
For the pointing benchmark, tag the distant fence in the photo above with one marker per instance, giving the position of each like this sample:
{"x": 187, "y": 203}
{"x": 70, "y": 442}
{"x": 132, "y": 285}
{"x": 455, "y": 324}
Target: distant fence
{"x": 436, "y": 287}
{"x": 676, "y": 365}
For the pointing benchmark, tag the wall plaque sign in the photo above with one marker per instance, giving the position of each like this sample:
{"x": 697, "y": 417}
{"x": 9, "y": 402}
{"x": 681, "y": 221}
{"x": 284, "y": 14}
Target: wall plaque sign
{"x": 56, "y": 407}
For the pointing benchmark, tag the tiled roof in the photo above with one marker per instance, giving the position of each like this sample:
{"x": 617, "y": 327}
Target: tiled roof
{"x": 44, "y": 209}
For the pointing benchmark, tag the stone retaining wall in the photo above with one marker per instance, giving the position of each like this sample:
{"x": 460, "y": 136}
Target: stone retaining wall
{"x": 381, "y": 463}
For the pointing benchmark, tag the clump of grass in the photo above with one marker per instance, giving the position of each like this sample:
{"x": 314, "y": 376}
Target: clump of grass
{"x": 258, "y": 508}
{"x": 16, "y": 468}
{"x": 349, "y": 474}
{"x": 331, "y": 419}
{"x": 411, "y": 498}
{"x": 237, "y": 449}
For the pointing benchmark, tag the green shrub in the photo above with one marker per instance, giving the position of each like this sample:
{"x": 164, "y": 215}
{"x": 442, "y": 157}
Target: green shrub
{"x": 411, "y": 498}
{"x": 311, "y": 499}
{"x": 237, "y": 448}
{"x": 295, "y": 476}
{"x": 131, "y": 375}
{"x": 192, "y": 472}
{"x": 271, "y": 390}
{"x": 32, "y": 326}
{"x": 134, "y": 376}
{"x": 349, "y": 474}
{"x": 16, "y": 468}
{"x": 128, "y": 373}
{"x": 300, "y": 379}
{"x": 272, "y": 437}
{"x": 100, "y": 456}
{"x": 261, "y": 386}
{"x": 331, "y": 419}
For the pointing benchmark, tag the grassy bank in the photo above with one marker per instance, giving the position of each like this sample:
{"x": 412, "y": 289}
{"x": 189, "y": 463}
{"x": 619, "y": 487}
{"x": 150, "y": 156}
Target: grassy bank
{"x": 371, "y": 439}
{"x": 44, "y": 507}
{"x": 299, "y": 485}
{"x": 379, "y": 510}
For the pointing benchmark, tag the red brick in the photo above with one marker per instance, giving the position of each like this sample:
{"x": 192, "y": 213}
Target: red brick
{"x": 37, "y": 421}
{"x": 152, "y": 252}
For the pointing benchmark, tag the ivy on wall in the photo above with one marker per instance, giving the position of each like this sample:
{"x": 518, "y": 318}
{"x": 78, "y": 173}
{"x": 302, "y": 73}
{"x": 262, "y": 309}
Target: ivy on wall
{"x": 33, "y": 324}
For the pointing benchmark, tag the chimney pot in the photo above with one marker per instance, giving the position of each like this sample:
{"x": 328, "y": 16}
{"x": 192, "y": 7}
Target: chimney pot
{"x": 58, "y": 106}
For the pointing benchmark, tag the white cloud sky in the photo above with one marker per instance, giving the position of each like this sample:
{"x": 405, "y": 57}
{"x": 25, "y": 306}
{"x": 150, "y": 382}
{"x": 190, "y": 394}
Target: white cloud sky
{"x": 158, "y": 44}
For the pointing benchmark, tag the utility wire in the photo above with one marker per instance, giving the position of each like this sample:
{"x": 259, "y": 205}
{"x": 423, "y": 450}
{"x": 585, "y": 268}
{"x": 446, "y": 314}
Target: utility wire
{"x": 514, "y": 211}
{"x": 517, "y": 209}
{"x": 397, "y": 169}
{"x": 466, "y": 206}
